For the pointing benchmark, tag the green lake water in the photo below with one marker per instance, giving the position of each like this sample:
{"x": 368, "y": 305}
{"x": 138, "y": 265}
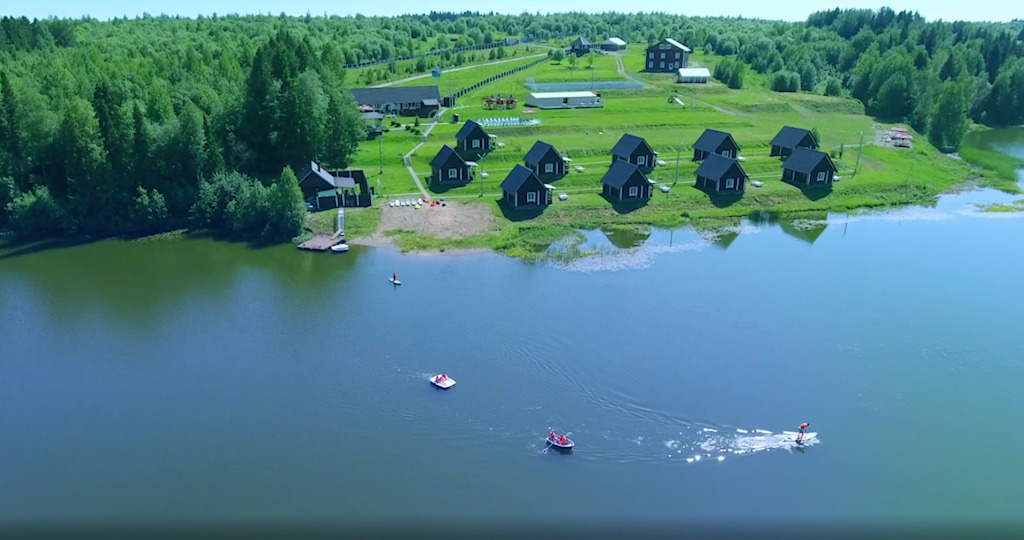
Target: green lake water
{"x": 177, "y": 381}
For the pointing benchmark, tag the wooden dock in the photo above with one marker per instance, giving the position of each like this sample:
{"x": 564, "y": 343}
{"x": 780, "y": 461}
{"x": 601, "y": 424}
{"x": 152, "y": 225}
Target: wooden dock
{"x": 322, "y": 242}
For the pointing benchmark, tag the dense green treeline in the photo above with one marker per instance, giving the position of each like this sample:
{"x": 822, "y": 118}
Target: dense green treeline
{"x": 125, "y": 125}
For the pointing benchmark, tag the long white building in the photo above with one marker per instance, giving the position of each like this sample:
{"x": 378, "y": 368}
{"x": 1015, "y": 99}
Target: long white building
{"x": 564, "y": 100}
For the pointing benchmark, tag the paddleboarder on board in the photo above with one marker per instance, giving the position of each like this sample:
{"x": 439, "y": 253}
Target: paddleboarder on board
{"x": 800, "y": 436}
{"x": 394, "y": 277}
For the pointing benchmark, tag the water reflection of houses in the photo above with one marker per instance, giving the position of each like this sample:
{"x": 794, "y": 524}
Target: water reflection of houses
{"x": 807, "y": 229}
{"x": 626, "y": 237}
{"x": 325, "y": 189}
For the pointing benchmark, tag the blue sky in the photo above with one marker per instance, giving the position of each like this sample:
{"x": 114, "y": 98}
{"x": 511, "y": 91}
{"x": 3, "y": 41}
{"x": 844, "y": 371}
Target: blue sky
{"x": 949, "y": 10}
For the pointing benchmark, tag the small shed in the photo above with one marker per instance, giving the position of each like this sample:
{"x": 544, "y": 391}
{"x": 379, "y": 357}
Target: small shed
{"x": 806, "y": 167}
{"x": 634, "y": 150}
{"x": 472, "y": 140}
{"x": 523, "y": 189}
{"x": 693, "y": 75}
{"x": 713, "y": 141}
{"x": 613, "y": 44}
{"x": 721, "y": 174}
{"x": 564, "y": 100}
{"x": 546, "y": 162}
{"x": 789, "y": 139}
{"x": 625, "y": 181}
{"x": 448, "y": 167}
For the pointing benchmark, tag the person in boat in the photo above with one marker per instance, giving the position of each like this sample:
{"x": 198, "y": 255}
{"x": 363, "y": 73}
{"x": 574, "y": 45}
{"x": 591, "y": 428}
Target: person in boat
{"x": 552, "y": 436}
{"x": 562, "y": 440}
{"x": 803, "y": 429}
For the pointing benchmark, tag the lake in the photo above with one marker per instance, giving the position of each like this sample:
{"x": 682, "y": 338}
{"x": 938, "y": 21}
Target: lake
{"x": 174, "y": 381}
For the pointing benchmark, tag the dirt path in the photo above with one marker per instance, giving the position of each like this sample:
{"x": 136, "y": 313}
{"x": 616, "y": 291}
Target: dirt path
{"x": 622, "y": 71}
{"x": 408, "y": 156}
{"x": 451, "y": 221}
{"x": 425, "y": 75}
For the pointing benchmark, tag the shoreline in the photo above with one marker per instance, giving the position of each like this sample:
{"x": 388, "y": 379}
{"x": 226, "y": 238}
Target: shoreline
{"x": 493, "y": 237}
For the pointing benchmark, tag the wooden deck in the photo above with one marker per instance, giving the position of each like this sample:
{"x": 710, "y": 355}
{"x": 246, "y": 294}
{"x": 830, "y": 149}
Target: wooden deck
{"x": 322, "y": 242}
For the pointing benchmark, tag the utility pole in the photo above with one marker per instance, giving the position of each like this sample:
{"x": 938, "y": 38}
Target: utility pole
{"x": 860, "y": 150}
{"x": 679, "y": 150}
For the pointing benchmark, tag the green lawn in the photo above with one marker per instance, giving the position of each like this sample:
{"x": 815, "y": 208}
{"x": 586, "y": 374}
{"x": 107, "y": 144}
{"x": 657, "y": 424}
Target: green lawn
{"x": 753, "y": 115}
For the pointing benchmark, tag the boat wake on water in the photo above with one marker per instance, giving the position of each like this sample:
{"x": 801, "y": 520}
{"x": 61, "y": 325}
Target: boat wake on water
{"x": 693, "y": 445}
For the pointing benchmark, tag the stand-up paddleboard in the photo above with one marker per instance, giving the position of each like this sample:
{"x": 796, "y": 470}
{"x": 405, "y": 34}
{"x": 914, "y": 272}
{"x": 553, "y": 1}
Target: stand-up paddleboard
{"x": 395, "y": 281}
{"x": 445, "y": 384}
{"x": 792, "y": 435}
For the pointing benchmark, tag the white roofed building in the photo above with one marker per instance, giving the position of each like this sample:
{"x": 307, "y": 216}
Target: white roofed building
{"x": 613, "y": 44}
{"x": 693, "y": 75}
{"x": 564, "y": 100}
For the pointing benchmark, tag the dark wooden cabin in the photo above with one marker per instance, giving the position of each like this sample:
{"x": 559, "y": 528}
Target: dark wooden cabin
{"x": 720, "y": 174}
{"x": 713, "y": 141}
{"x": 806, "y": 167}
{"x": 625, "y": 181}
{"x": 791, "y": 138}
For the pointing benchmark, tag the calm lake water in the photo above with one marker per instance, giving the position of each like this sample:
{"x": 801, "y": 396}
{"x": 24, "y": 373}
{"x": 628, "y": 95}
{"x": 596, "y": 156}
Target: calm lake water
{"x": 190, "y": 380}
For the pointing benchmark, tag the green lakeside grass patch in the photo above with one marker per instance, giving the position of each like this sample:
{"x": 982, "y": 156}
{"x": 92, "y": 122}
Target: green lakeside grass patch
{"x": 1016, "y": 206}
{"x": 1001, "y": 167}
{"x": 359, "y": 222}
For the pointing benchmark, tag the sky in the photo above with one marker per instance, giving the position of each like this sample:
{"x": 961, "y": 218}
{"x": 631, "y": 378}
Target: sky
{"x": 789, "y": 10}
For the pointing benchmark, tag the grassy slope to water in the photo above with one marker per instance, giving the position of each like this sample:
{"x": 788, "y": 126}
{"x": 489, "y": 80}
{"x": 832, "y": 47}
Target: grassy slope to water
{"x": 753, "y": 115}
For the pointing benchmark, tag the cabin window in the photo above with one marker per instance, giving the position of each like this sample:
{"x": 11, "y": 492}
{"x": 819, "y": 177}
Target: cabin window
{"x": 730, "y": 183}
{"x": 633, "y": 191}
{"x": 821, "y": 176}
{"x": 664, "y": 46}
{"x": 476, "y": 143}
{"x": 549, "y": 167}
{"x": 641, "y": 160}
{"x": 531, "y": 197}
{"x": 663, "y": 55}
{"x": 565, "y": 101}
{"x": 677, "y": 56}
{"x": 725, "y": 153}
{"x": 650, "y": 65}
{"x": 453, "y": 173}
{"x": 661, "y": 65}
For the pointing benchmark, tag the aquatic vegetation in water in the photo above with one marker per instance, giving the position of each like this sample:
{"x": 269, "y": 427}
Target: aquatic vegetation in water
{"x": 1015, "y": 206}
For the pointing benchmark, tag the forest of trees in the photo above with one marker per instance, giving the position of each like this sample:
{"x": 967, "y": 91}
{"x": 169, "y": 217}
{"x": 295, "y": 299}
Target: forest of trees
{"x": 135, "y": 125}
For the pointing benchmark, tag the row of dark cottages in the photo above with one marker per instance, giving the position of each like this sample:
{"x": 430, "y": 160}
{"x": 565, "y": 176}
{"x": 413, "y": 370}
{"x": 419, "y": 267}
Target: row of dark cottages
{"x": 720, "y": 171}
